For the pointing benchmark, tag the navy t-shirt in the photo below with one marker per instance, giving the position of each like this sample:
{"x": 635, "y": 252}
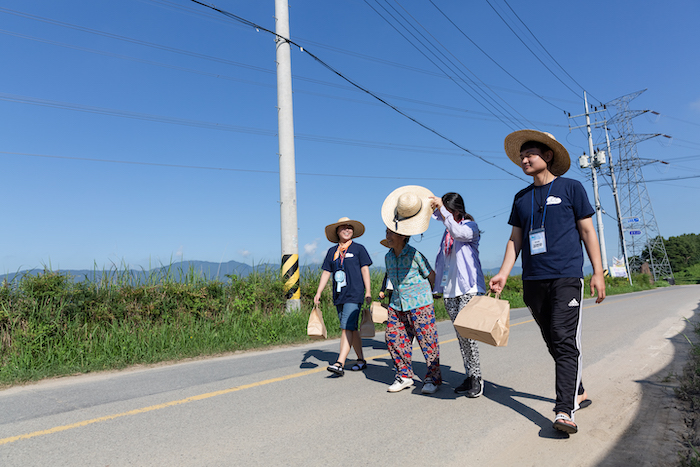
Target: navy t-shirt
{"x": 566, "y": 202}
{"x": 355, "y": 258}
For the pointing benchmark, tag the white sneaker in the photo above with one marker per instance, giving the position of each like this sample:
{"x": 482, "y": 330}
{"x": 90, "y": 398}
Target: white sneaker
{"x": 429, "y": 388}
{"x": 401, "y": 383}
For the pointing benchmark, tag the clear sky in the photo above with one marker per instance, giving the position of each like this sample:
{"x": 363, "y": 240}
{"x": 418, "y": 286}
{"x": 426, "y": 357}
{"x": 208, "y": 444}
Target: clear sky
{"x": 143, "y": 132}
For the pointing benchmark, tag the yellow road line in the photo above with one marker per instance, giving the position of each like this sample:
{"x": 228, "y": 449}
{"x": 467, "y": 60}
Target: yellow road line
{"x": 199, "y": 397}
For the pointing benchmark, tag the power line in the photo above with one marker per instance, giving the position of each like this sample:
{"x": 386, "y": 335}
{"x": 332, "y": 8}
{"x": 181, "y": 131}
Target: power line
{"x": 413, "y": 43}
{"x": 227, "y": 169}
{"x": 467, "y": 68}
{"x": 330, "y": 68}
{"x": 491, "y": 58}
{"x": 226, "y": 127}
{"x": 528, "y": 48}
{"x": 545, "y": 49}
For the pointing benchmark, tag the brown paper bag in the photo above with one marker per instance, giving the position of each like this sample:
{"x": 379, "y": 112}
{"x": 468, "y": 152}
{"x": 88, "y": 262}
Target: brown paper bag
{"x": 367, "y": 325}
{"x": 485, "y": 319}
{"x": 316, "y": 329}
{"x": 380, "y": 314}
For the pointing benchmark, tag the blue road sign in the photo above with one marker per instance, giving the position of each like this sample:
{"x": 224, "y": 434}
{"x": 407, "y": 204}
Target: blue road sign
{"x": 635, "y": 232}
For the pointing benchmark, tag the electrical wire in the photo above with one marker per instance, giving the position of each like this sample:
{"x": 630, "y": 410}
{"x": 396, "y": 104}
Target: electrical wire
{"x": 483, "y": 84}
{"x": 492, "y": 59}
{"x": 226, "y": 127}
{"x": 545, "y": 49}
{"x": 528, "y": 48}
{"x": 226, "y": 169}
{"x": 333, "y": 70}
{"x": 413, "y": 43}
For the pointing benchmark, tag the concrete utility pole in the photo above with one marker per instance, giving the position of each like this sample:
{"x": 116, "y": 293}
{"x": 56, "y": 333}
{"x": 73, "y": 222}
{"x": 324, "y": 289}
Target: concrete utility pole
{"x": 618, "y": 210}
{"x": 598, "y": 208}
{"x": 288, "y": 189}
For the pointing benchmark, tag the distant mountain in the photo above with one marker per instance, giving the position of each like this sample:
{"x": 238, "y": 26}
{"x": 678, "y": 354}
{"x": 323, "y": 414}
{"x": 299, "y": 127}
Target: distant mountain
{"x": 177, "y": 271}
{"x": 209, "y": 270}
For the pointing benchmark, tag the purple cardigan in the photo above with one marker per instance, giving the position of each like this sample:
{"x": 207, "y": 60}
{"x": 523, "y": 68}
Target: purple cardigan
{"x": 466, "y": 247}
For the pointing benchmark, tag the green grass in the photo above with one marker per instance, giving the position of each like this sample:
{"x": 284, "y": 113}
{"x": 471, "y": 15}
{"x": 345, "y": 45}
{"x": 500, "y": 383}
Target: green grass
{"x": 53, "y": 326}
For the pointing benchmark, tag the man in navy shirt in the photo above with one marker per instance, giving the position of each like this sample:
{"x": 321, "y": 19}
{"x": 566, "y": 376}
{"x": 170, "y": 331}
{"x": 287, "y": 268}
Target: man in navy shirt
{"x": 550, "y": 218}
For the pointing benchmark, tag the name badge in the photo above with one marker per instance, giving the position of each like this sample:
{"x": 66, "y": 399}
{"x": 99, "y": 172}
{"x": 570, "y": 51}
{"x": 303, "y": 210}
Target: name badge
{"x": 339, "y": 280}
{"x": 538, "y": 243}
{"x": 445, "y": 275}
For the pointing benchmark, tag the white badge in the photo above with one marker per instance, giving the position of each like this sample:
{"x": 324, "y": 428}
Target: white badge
{"x": 445, "y": 274}
{"x": 339, "y": 280}
{"x": 538, "y": 244}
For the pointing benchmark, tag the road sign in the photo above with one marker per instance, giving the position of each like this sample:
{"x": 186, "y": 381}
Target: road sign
{"x": 635, "y": 232}
{"x": 632, "y": 220}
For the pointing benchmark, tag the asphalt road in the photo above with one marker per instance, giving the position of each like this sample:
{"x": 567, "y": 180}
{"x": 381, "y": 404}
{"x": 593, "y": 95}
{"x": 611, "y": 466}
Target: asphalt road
{"x": 281, "y": 407}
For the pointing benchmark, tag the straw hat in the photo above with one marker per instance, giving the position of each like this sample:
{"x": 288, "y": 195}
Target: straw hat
{"x": 514, "y": 141}
{"x": 357, "y": 229}
{"x": 406, "y": 211}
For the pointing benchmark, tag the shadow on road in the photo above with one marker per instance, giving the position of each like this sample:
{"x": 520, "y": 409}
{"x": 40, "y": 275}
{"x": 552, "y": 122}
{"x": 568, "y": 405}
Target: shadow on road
{"x": 508, "y": 397}
{"x": 656, "y": 435}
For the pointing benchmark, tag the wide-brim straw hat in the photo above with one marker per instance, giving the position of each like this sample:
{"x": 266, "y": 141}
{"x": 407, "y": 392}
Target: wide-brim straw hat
{"x": 357, "y": 229}
{"x": 406, "y": 211}
{"x": 560, "y": 162}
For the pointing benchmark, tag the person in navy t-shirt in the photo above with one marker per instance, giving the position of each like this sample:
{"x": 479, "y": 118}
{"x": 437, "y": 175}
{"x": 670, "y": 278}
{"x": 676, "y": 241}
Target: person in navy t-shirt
{"x": 549, "y": 220}
{"x": 347, "y": 263}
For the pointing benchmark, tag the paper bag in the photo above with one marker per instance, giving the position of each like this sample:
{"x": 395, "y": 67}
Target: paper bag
{"x": 366, "y": 325}
{"x": 316, "y": 329}
{"x": 379, "y": 313}
{"x": 485, "y": 319}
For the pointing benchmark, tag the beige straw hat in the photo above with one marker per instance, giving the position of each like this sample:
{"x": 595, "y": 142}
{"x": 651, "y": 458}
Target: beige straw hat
{"x": 406, "y": 211}
{"x": 357, "y": 229}
{"x": 514, "y": 141}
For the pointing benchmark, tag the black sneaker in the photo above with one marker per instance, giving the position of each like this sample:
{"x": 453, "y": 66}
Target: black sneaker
{"x": 464, "y": 387}
{"x": 477, "y": 387}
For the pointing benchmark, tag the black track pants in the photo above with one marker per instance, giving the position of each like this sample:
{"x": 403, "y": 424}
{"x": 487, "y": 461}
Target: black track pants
{"x": 556, "y": 306}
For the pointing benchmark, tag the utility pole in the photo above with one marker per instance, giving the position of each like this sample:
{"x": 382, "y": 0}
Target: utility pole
{"x": 595, "y": 162}
{"x": 618, "y": 210}
{"x": 598, "y": 208}
{"x": 288, "y": 189}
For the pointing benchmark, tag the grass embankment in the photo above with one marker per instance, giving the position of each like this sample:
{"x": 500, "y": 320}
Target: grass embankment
{"x": 53, "y": 326}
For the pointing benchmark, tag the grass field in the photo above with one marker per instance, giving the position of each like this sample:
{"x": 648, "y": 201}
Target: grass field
{"x": 52, "y": 326}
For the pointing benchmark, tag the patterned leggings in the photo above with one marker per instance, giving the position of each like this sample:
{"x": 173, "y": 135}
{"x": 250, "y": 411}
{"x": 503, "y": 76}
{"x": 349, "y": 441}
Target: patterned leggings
{"x": 469, "y": 347}
{"x": 401, "y": 328}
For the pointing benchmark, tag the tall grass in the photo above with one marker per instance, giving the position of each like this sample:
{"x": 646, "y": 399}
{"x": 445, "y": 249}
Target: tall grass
{"x": 51, "y": 325}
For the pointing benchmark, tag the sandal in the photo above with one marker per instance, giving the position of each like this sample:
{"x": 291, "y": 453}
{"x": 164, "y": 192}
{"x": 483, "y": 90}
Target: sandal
{"x": 360, "y": 365}
{"x": 565, "y": 423}
{"x": 584, "y": 403}
{"x": 336, "y": 368}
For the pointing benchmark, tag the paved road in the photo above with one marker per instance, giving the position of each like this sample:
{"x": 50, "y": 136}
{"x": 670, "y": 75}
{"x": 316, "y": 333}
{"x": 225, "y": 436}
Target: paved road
{"x": 280, "y": 407}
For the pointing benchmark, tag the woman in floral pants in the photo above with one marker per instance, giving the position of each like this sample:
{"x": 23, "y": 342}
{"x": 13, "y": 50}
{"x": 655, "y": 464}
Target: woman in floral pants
{"x": 411, "y": 312}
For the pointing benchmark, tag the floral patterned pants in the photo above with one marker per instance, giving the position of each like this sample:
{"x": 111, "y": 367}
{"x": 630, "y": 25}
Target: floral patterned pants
{"x": 401, "y": 328}
{"x": 469, "y": 347}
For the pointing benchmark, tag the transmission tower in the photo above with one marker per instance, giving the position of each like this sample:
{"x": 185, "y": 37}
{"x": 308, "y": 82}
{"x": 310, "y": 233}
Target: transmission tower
{"x": 637, "y": 215}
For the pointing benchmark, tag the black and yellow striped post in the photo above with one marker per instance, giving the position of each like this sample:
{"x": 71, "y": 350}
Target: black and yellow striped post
{"x": 290, "y": 269}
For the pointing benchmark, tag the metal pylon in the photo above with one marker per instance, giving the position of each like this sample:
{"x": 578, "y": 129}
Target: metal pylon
{"x": 641, "y": 229}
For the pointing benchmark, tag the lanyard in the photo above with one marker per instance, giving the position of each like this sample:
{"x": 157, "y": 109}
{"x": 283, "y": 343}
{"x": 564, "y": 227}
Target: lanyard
{"x": 532, "y": 205}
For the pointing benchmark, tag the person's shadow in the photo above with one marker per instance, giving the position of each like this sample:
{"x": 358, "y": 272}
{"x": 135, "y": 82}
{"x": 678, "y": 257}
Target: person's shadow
{"x": 507, "y": 396}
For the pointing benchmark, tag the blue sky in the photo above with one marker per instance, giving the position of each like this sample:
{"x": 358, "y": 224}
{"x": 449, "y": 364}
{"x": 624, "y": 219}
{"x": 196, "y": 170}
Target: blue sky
{"x": 142, "y": 132}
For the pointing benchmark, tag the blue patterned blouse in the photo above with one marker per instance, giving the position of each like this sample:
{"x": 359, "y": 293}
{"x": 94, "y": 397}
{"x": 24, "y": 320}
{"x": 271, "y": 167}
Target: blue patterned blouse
{"x": 409, "y": 274}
